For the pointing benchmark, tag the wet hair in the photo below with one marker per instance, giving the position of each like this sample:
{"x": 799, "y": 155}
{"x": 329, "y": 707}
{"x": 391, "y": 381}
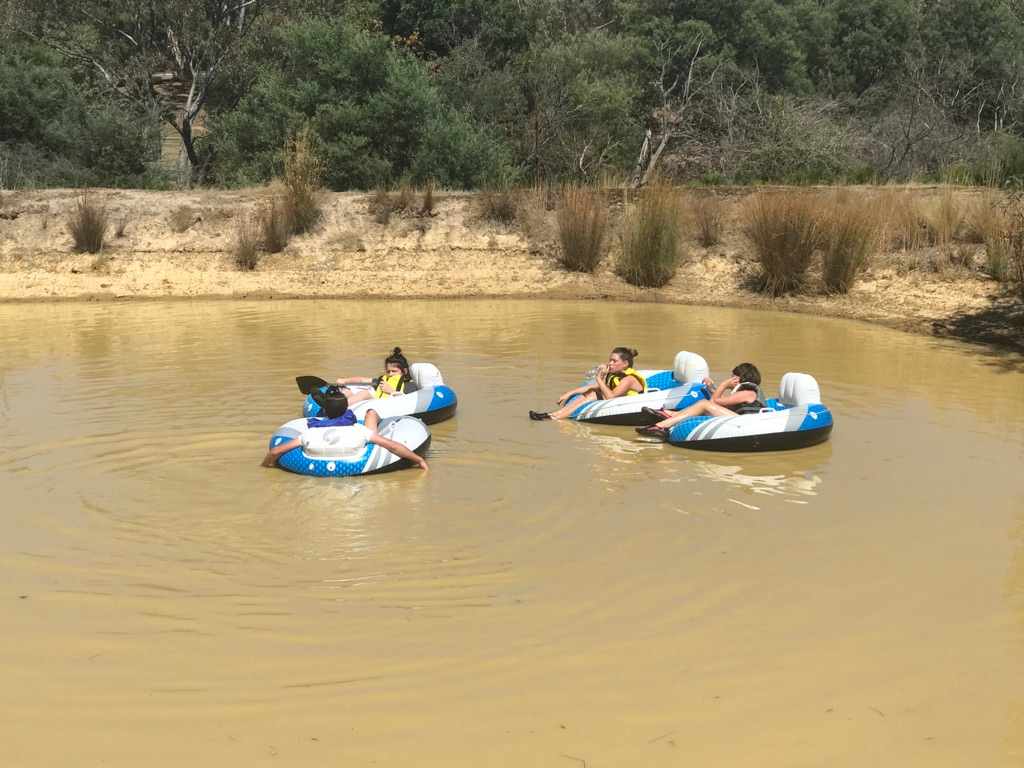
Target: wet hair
{"x": 627, "y": 354}
{"x": 397, "y": 358}
{"x": 332, "y": 402}
{"x": 747, "y": 372}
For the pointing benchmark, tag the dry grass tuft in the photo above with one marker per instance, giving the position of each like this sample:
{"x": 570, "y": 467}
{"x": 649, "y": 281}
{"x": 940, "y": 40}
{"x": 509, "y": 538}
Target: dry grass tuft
{"x": 275, "y": 226}
{"x": 982, "y": 218}
{"x": 303, "y": 176}
{"x": 499, "y": 205}
{"x": 1015, "y": 242}
{"x": 101, "y": 264}
{"x": 182, "y": 218}
{"x": 945, "y": 219}
{"x": 405, "y": 199}
{"x": 427, "y": 209}
{"x": 246, "y": 253}
{"x": 785, "y": 230}
{"x": 850, "y": 232}
{"x": 905, "y": 225}
{"x": 381, "y": 206}
{"x": 988, "y": 225}
{"x": 582, "y": 223}
{"x": 88, "y": 224}
{"x": 652, "y": 238}
{"x": 962, "y": 257}
{"x": 384, "y": 203}
{"x": 708, "y": 214}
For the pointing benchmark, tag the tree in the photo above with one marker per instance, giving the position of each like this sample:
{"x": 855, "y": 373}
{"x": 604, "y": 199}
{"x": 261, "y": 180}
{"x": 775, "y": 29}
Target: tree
{"x": 680, "y": 56}
{"x": 372, "y": 107}
{"x": 164, "y": 55}
{"x": 582, "y": 100}
{"x": 869, "y": 42}
{"x": 57, "y": 131}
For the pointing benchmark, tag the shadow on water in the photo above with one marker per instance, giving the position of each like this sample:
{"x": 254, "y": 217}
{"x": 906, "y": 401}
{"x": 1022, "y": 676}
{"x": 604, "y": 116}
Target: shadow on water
{"x": 1000, "y": 325}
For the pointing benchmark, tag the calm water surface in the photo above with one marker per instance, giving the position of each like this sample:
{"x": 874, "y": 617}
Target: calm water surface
{"x": 547, "y": 594}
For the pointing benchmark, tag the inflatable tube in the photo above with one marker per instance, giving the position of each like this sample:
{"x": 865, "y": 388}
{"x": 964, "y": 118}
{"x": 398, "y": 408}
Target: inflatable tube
{"x": 796, "y": 420}
{"x": 432, "y": 402}
{"x": 673, "y": 389}
{"x": 329, "y": 456}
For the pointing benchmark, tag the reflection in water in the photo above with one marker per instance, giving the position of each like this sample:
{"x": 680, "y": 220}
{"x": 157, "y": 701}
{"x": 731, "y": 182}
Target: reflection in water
{"x": 805, "y": 484}
{"x": 545, "y": 590}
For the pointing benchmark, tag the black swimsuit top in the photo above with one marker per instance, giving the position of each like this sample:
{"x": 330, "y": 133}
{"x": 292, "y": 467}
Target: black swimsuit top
{"x": 754, "y": 406}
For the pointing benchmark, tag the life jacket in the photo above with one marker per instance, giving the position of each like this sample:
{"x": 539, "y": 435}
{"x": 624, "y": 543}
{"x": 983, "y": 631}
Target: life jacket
{"x": 397, "y": 382}
{"x": 755, "y": 405}
{"x": 614, "y": 379}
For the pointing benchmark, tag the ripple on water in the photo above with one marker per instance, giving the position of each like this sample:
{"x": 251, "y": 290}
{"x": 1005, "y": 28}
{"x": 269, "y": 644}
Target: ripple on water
{"x": 537, "y": 571}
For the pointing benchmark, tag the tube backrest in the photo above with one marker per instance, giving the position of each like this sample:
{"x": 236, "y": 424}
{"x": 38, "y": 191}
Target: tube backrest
{"x": 689, "y": 367}
{"x": 425, "y": 375}
{"x": 799, "y": 389}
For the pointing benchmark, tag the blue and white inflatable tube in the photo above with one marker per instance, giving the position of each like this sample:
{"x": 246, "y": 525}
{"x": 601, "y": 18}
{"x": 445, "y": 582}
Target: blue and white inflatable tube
{"x": 673, "y": 389}
{"x": 434, "y": 401}
{"x": 333, "y": 453}
{"x": 797, "y": 419}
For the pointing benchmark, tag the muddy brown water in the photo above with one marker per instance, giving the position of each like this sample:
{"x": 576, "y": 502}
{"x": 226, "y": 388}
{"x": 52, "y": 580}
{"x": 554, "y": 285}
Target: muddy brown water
{"x": 547, "y": 595}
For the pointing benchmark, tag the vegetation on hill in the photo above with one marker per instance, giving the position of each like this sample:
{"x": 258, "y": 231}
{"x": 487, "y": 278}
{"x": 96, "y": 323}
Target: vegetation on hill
{"x": 487, "y": 94}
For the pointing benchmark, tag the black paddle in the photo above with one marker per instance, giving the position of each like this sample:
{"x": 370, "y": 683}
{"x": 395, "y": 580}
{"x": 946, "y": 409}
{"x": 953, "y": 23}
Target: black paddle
{"x": 309, "y": 384}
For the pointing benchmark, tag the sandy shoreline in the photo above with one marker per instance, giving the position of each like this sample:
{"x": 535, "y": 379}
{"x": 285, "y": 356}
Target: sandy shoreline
{"x": 177, "y": 245}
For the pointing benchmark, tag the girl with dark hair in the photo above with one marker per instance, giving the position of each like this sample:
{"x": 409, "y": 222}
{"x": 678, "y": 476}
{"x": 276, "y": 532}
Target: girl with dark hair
{"x": 394, "y": 381}
{"x": 743, "y": 396}
{"x": 338, "y": 416}
{"x": 616, "y": 378}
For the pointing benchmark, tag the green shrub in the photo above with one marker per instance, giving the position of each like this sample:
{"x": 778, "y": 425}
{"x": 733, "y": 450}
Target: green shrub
{"x": 651, "y": 238}
{"x": 88, "y": 224}
{"x": 57, "y": 131}
{"x": 848, "y": 240}
{"x": 582, "y": 221}
{"x": 785, "y": 231}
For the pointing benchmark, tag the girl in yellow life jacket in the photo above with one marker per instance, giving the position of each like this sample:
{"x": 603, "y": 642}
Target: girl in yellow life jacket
{"x": 394, "y": 381}
{"x": 616, "y": 378}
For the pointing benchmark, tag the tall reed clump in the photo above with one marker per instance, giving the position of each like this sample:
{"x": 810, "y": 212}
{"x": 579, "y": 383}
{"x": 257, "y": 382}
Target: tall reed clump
{"x": 849, "y": 237}
{"x": 582, "y": 223}
{"x": 427, "y": 209}
{"x": 275, "y": 225}
{"x": 708, "y": 213}
{"x": 303, "y": 177}
{"x": 1015, "y": 243}
{"x": 785, "y": 230}
{"x": 906, "y": 226}
{"x": 651, "y": 238}
{"x": 381, "y": 205}
{"x": 988, "y": 225}
{"x": 945, "y": 219}
{"x": 246, "y": 243}
{"x": 88, "y": 224}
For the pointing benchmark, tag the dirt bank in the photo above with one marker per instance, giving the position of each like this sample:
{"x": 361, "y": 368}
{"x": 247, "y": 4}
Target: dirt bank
{"x": 179, "y": 244}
